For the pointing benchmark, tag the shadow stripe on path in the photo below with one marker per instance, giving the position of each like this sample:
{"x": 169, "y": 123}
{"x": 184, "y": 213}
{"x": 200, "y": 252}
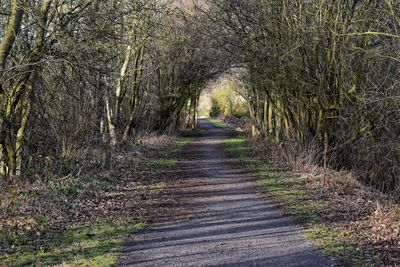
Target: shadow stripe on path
{"x": 236, "y": 226}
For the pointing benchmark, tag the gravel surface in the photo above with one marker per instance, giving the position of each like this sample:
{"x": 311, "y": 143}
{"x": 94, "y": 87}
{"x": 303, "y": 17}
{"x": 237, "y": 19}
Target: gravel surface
{"x": 234, "y": 224}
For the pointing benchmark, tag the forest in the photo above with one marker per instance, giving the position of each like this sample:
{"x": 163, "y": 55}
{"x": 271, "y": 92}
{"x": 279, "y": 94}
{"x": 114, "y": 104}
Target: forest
{"x": 83, "y": 80}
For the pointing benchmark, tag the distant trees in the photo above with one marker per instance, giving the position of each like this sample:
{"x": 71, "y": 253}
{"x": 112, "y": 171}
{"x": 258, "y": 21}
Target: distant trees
{"x": 227, "y": 101}
{"x": 319, "y": 70}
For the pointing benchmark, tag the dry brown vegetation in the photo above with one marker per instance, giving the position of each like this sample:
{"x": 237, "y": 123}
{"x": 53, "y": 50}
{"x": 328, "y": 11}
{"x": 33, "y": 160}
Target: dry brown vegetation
{"x": 351, "y": 221}
{"x": 366, "y": 218}
{"x": 34, "y": 215}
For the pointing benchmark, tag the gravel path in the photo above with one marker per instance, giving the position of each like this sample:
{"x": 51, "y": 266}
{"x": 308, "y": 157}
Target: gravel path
{"x": 235, "y": 225}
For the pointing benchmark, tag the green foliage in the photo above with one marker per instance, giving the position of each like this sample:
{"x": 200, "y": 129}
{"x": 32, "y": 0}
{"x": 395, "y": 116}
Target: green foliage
{"x": 225, "y": 101}
{"x": 216, "y": 123}
{"x": 216, "y": 109}
{"x": 183, "y": 141}
{"x": 91, "y": 244}
{"x": 163, "y": 162}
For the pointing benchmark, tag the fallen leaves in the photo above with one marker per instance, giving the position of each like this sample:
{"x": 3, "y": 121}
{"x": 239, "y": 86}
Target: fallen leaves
{"x": 33, "y": 212}
{"x": 368, "y": 221}
{"x": 385, "y": 225}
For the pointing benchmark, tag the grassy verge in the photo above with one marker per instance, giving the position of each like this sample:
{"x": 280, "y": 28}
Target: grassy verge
{"x": 326, "y": 221}
{"x": 83, "y": 220}
{"x": 216, "y": 123}
{"x": 80, "y": 244}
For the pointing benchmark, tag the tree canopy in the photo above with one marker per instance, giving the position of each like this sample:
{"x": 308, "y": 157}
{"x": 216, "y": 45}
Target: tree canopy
{"x": 78, "y": 73}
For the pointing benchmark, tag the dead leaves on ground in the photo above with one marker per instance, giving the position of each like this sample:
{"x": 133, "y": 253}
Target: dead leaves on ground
{"x": 130, "y": 188}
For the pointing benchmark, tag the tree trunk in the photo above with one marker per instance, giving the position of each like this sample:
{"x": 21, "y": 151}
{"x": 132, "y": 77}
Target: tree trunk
{"x": 110, "y": 124}
{"x": 21, "y": 133}
{"x": 119, "y": 90}
{"x": 11, "y": 32}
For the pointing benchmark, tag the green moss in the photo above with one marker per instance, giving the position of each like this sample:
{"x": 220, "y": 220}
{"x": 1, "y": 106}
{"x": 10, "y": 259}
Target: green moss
{"x": 81, "y": 245}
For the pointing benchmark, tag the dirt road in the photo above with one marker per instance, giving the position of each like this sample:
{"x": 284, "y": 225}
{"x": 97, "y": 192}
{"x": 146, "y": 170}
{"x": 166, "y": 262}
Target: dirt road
{"x": 235, "y": 225}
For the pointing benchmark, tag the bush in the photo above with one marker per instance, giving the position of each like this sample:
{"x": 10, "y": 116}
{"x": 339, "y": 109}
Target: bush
{"x": 226, "y": 101}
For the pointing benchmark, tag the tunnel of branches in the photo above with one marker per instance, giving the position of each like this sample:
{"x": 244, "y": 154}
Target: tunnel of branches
{"x": 319, "y": 77}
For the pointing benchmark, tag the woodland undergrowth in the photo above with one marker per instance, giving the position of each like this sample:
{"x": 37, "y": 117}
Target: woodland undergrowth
{"x": 351, "y": 221}
{"x": 39, "y": 216}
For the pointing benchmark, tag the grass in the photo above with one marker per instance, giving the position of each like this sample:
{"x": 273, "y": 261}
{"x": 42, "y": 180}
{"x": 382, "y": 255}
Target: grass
{"x": 286, "y": 188}
{"x": 216, "y": 123}
{"x": 171, "y": 162}
{"x": 94, "y": 240}
{"x": 330, "y": 241}
{"x": 80, "y": 245}
{"x": 182, "y": 142}
{"x": 298, "y": 202}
